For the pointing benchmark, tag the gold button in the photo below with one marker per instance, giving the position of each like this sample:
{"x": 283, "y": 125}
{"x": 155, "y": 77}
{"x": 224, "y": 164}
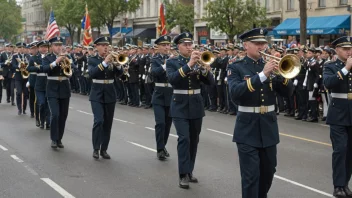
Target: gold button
{"x": 262, "y": 94}
{"x": 263, "y": 100}
{"x": 350, "y": 79}
{"x": 261, "y": 89}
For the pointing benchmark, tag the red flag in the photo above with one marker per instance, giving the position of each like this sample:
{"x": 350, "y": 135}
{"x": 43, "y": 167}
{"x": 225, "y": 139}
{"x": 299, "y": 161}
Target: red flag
{"x": 87, "y": 37}
{"x": 162, "y": 23}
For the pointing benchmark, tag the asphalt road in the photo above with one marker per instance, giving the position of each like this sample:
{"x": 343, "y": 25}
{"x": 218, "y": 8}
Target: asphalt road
{"x": 30, "y": 168}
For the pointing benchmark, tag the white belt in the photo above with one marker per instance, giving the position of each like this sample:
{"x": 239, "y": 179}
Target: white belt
{"x": 261, "y": 109}
{"x": 163, "y": 85}
{"x": 41, "y": 74}
{"x": 187, "y": 92}
{"x": 59, "y": 78}
{"x": 107, "y": 81}
{"x": 342, "y": 95}
{"x": 1, "y": 69}
{"x": 33, "y": 73}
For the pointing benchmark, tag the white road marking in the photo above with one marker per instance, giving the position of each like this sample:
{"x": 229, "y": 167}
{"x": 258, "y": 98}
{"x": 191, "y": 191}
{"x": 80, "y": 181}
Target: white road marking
{"x": 16, "y": 158}
{"x": 31, "y": 170}
{"x": 303, "y": 186}
{"x": 70, "y": 107}
{"x": 147, "y": 148}
{"x": 176, "y": 136}
{"x": 3, "y": 148}
{"x": 152, "y": 129}
{"x": 58, "y": 188}
{"x": 220, "y": 132}
{"x": 84, "y": 112}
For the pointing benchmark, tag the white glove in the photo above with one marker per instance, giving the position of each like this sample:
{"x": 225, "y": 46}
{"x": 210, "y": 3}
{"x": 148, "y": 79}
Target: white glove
{"x": 225, "y": 79}
{"x": 164, "y": 66}
{"x": 295, "y": 82}
{"x": 27, "y": 84}
{"x": 315, "y": 85}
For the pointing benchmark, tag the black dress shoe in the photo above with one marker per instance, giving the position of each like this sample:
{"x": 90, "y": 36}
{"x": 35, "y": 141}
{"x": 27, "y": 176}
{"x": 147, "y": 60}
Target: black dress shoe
{"x": 59, "y": 144}
{"x": 32, "y": 115}
{"x": 184, "y": 182}
{"x": 298, "y": 118}
{"x": 323, "y": 119}
{"x": 192, "y": 179}
{"x": 348, "y": 191}
{"x": 96, "y": 154}
{"x": 312, "y": 120}
{"x": 304, "y": 119}
{"x": 53, "y": 144}
{"x": 19, "y": 113}
{"x": 24, "y": 112}
{"x": 13, "y": 104}
{"x": 41, "y": 127}
{"x": 37, "y": 123}
{"x": 105, "y": 155}
{"x": 167, "y": 154}
{"x": 161, "y": 155}
{"x": 212, "y": 110}
{"x": 47, "y": 127}
{"x": 8, "y": 101}
{"x": 232, "y": 113}
{"x": 339, "y": 192}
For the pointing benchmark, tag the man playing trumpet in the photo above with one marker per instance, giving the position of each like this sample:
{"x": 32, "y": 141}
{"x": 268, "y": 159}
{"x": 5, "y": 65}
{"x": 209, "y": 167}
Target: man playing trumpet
{"x": 103, "y": 95}
{"x": 57, "y": 90}
{"x": 256, "y": 134}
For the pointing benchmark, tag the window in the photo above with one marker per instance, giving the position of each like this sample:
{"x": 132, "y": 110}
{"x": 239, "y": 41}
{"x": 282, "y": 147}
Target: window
{"x": 148, "y": 8}
{"x": 277, "y": 4}
{"x": 343, "y": 2}
{"x": 267, "y": 5}
{"x": 322, "y": 3}
{"x": 290, "y": 4}
{"x": 205, "y": 2}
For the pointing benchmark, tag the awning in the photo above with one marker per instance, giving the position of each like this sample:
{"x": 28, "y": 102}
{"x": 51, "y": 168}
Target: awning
{"x": 124, "y": 30}
{"x": 315, "y": 25}
{"x": 142, "y": 32}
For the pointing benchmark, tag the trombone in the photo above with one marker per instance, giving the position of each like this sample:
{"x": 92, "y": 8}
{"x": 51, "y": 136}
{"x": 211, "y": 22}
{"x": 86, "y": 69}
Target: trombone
{"x": 289, "y": 66}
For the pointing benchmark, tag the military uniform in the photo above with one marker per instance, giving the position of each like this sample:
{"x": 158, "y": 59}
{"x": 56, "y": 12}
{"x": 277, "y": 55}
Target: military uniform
{"x": 338, "y": 80}
{"x": 186, "y": 109}
{"x": 35, "y": 65}
{"x": 9, "y": 82}
{"x": 103, "y": 99}
{"x": 256, "y": 131}
{"x": 301, "y": 92}
{"x": 148, "y": 82}
{"x": 161, "y": 100}
{"x": 34, "y": 108}
{"x": 20, "y": 82}
{"x": 58, "y": 93}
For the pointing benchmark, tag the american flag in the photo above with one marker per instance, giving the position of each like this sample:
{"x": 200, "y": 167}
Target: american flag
{"x": 52, "y": 30}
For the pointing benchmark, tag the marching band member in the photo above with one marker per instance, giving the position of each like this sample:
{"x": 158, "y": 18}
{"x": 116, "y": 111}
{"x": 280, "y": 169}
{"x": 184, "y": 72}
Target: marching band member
{"x": 102, "y": 96}
{"x": 337, "y": 78}
{"x": 161, "y": 98}
{"x": 253, "y": 89}
{"x": 57, "y": 90}
{"x": 187, "y": 108}
{"x": 35, "y": 65}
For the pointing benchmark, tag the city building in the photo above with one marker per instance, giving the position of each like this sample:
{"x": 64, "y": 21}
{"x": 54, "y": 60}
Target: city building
{"x": 36, "y": 19}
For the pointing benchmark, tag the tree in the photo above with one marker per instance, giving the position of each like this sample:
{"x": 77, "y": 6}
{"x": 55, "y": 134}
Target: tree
{"x": 10, "y": 19}
{"x": 234, "y": 17}
{"x": 106, "y": 11}
{"x": 178, "y": 13}
{"x": 68, "y": 13}
{"x": 303, "y": 21}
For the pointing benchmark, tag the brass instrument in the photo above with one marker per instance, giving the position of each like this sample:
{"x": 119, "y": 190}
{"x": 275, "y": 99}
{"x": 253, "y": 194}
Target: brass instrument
{"x": 8, "y": 61}
{"x": 120, "y": 59}
{"x": 66, "y": 66}
{"x": 289, "y": 66}
{"x": 23, "y": 68}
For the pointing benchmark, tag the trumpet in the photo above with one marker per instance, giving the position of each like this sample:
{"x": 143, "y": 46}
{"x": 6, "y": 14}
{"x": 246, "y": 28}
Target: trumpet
{"x": 66, "y": 66}
{"x": 120, "y": 59}
{"x": 23, "y": 68}
{"x": 289, "y": 66}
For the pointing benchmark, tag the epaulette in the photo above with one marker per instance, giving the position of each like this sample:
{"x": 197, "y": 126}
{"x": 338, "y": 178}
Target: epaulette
{"x": 238, "y": 61}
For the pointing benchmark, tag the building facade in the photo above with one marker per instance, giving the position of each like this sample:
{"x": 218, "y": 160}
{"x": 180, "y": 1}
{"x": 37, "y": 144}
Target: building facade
{"x": 36, "y": 19}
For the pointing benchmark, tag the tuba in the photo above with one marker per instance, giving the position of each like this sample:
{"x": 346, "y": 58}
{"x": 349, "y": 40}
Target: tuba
{"x": 289, "y": 66}
{"x": 66, "y": 66}
{"x": 23, "y": 68}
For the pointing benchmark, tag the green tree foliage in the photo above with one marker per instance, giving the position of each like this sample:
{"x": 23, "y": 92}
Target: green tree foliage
{"x": 104, "y": 12}
{"x": 68, "y": 13}
{"x": 10, "y": 19}
{"x": 178, "y": 13}
{"x": 234, "y": 17}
